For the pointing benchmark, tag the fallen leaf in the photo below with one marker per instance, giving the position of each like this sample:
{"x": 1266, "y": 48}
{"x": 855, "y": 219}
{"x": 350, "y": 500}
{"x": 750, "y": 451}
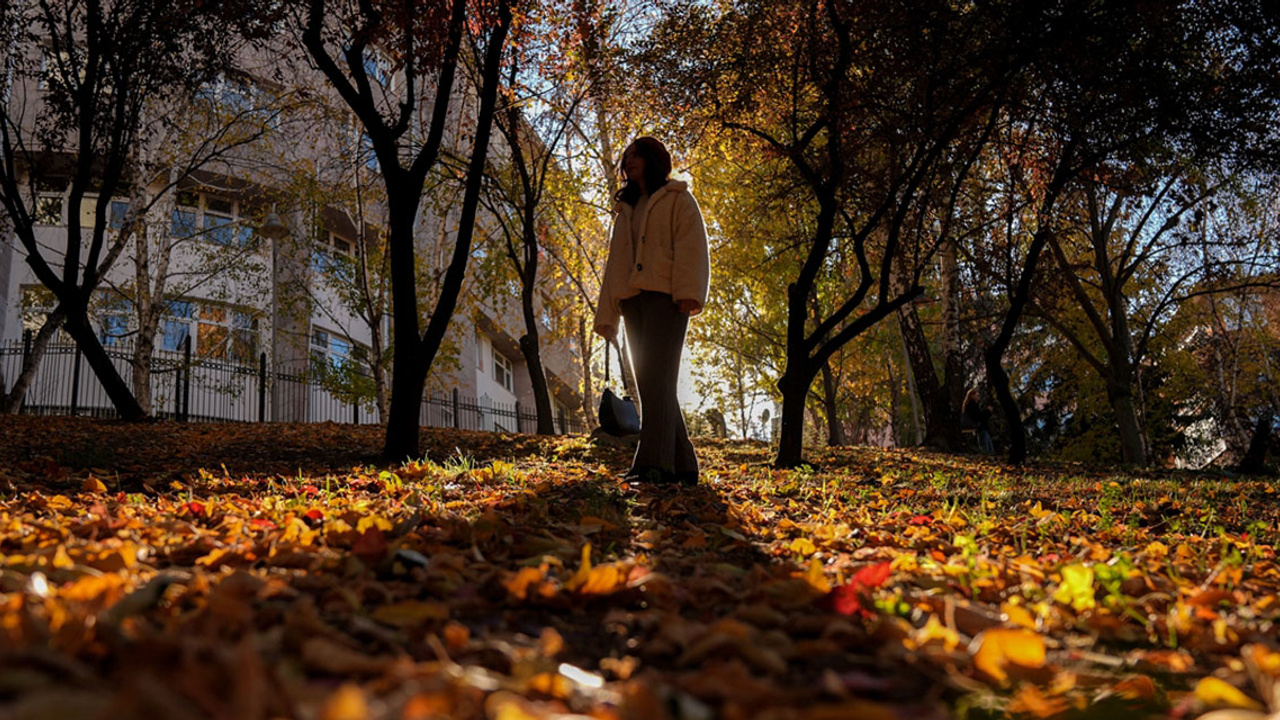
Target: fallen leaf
{"x": 995, "y": 650}
{"x": 1219, "y": 693}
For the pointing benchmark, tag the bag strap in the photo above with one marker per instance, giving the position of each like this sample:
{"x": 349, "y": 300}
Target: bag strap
{"x": 606, "y": 361}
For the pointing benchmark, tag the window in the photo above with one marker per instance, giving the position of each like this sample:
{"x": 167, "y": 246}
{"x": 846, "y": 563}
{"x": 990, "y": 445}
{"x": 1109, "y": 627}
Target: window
{"x": 215, "y": 219}
{"x": 184, "y": 215}
{"x": 377, "y": 68}
{"x": 331, "y": 254}
{"x": 37, "y": 302}
{"x": 502, "y": 370}
{"x": 49, "y": 210}
{"x": 219, "y": 228}
{"x": 216, "y": 331}
{"x": 226, "y": 334}
{"x": 114, "y": 327}
{"x": 112, "y": 316}
{"x": 175, "y": 328}
{"x": 366, "y": 152}
{"x": 334, "y": 350}
{"x": 117, "y": 214}
{"x": 239, "y": 97}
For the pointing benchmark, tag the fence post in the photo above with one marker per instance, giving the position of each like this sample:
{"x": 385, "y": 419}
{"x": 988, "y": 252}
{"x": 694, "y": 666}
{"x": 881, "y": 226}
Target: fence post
{"x": 75, "y": 384}
{"x": 186, "y": 378}
{"x": 355, "y": 409}
{"x": 262, "y": 387}
{"x": 457, "y": 415}
{"x": 519, "y": 418}
{"x": 26, "y": 361}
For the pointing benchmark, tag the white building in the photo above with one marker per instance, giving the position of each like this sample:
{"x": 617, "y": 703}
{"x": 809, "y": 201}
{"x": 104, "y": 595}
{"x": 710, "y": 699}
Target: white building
{"x": 244, "y": 300}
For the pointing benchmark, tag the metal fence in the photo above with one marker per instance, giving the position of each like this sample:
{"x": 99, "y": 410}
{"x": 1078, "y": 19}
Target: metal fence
{"x": 193, "y": 389}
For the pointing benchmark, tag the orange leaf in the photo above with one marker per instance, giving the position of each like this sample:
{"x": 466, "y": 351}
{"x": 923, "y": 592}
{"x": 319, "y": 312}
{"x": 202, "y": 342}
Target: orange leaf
{"x": 346, "y": 703}
{"x": 93, "y": 485}
{"x": 518, "y": 586}
{"x": 584, "y": 570}
{"x": 999, "y": 648}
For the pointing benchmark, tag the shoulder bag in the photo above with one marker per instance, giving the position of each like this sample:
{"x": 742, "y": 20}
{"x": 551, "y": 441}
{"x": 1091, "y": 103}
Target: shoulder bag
{"x": 618, "y": 415}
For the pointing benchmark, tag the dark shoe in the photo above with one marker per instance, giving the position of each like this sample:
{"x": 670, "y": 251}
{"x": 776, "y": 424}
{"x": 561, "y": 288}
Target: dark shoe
{"x": 688, "y": 478}
{"x": 649, "y": 475}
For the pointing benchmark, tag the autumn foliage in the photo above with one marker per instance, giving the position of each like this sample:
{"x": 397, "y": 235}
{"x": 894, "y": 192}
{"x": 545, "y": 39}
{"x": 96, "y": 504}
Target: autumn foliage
{"x": 270, "y": 571}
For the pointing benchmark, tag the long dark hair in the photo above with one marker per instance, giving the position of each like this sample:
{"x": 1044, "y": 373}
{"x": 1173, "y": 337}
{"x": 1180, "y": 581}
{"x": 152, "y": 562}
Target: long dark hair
{"x": 657, "y": 169}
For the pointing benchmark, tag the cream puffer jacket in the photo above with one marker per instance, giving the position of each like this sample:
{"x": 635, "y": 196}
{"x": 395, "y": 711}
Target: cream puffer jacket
{"x": 670, "y": 257}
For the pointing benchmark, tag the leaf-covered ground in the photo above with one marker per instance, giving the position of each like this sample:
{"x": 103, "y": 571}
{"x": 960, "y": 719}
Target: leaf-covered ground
{"x": 263, "y": 571}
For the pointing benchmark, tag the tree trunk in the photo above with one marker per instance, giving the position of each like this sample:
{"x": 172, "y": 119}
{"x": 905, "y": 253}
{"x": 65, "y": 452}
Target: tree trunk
{"x": 1120, "y": 395}
{"x": 1255, "y": 459}
{"x": 791, "y": 437}
{"x": 113, "y": 384}
{"x": 589, "y": 419}
{"x": 414, "y": 354}
{"x": 407, "y": 374}
{"x": 835, "y": 429}
{"x": 895, "y": 401}
{"x": 955, "y": 380}
{"x": 624, "y": 364}
{"x": 144, "y": 345}
{"x": 11, "y": 404}
{"x": 380, "y": 390}
{"x": 938, "y": 423}
{"x": 529, "y": 345}
{"x": 537, "y": 378}
{"x": 999, "y": 380}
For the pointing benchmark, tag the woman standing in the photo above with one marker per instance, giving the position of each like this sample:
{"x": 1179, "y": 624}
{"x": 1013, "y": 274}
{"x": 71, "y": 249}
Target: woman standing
{"x": 656, "y": 279}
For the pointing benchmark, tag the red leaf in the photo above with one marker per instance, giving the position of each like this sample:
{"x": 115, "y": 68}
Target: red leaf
{"x": 872, "y": 576}
{"x": 920, "y": 520}
{"x": 848, "y": 599}
{"x": 195, "y": 508}
{"x": 314, "y": 514}
{"x": 262, "y": 524}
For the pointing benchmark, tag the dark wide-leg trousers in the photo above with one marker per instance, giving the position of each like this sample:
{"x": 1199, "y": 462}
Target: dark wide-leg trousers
{"x": 655, "y": 331}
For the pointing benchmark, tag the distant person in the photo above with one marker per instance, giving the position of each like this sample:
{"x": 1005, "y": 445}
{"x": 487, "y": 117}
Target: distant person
{"x": 656, "y": 278}
{"x": 975, "y": 415}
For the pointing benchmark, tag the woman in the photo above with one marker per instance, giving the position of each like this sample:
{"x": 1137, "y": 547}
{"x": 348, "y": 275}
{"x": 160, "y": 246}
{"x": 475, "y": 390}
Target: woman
{"x": 656, "y": 279}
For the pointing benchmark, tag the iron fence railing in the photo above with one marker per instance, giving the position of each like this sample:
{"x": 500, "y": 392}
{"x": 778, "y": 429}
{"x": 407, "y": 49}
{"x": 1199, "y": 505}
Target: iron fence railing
{"x": 194, "y": 389}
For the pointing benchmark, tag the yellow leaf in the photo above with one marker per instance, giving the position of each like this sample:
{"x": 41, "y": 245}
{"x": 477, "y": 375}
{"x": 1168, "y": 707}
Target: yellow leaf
{"x": 816, "y": 577}
{"x": 376, "y": 521}
{"x": 584, "y": 570}
{"x": 93, "y": 485}
{"x": 411, "y": 613}
{"x": 935, "y": 630}
{"x": 1076, "y": 589}
{"x": 1219, "y": 693}
{"x": 803, "y": 546}
{"x": 1038, "y": 512}
{"x": 297, "y": 531}
{"x": 601, "y": 580}
{"x": 61, "y": 560}
{"x": 998, "y": 648}
{"x": 1019, "y": 615}
{"x": 346, "y": 703}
